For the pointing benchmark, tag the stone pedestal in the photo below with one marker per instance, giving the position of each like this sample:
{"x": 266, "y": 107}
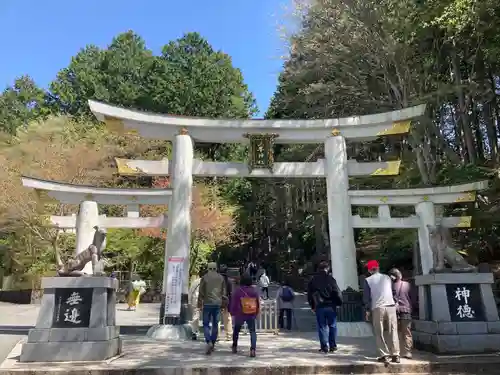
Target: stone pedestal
{"x": 457, "y": 314}
{"x": 76, "y": 321}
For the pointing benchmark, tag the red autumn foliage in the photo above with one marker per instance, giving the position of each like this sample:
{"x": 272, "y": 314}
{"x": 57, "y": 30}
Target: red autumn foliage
{"x": 211, "y": 220}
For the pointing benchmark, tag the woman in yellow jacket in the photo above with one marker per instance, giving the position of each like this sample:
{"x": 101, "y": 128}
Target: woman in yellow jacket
{"x": 138, "y": 288}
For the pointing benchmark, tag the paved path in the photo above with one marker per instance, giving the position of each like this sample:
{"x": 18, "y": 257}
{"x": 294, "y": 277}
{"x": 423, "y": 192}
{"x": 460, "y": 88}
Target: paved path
{"x": 16, "y": 320}
{"x": 297, "y": 352}
{"x": 7, "y": 343}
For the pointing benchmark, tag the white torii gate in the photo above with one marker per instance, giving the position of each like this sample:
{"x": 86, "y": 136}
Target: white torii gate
{"x": 88, "y": 197}
{"x": 335, "y": 168}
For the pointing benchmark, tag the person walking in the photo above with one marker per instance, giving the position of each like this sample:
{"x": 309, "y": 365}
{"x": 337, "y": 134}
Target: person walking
{"x": 403, "y": 295}
{"x": 226, "y": 316}
{"x": 137, "y": 288}
{"x": 381, "y": 308}
{"x": 252, "y": 270}
{"x": 324, "y": 296}
{"x": 285, "y": 297}
{"x": 211, "y": 298}
{"x": 264, "y": 284}
{"x": 194, "y": 292}
{"x": 244, "y": 307}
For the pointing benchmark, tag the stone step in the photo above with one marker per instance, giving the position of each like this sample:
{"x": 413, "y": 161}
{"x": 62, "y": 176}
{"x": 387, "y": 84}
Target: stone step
{"x": 339, "y": 369}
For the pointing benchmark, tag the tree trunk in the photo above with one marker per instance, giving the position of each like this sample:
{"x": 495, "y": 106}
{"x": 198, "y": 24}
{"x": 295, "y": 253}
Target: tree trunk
{"x": 478, "y": 135}
{"x": 420, "y": 160}
{"x": 491, "y": 130}
{"x": 463, "y": 108}
{"x": 288, "y": 215}
{"x": 324, "y": 230}
{"x": 485, "y": 98}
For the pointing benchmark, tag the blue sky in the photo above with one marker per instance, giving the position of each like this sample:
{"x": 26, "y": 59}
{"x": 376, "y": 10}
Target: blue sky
{"x": 40, "y": 37}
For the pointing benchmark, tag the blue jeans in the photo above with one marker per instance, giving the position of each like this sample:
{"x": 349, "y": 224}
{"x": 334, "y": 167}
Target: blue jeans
{"x": 251, "y": 329}
{"x": 211, "y": 313}
{"x": 326, "y": 317}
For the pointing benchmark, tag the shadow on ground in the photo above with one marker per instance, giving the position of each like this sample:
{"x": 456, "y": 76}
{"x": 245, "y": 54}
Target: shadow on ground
{"x": 23, "y": 330}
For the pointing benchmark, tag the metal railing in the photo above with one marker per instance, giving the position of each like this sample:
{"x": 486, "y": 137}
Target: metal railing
{"x": 352, "y": 307}
{"x": 267, "y": 320}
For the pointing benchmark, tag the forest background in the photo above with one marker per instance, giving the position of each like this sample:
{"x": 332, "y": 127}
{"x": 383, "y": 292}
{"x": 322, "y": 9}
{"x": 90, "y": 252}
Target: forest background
{"x": 346, "y": 58}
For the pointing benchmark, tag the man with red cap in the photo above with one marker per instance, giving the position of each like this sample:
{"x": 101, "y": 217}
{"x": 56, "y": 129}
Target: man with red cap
{"x": 380, "y": 304}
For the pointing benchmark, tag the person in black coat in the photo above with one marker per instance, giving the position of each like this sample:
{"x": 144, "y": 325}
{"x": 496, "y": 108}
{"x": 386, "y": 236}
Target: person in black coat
{"x": 324, "y": 297}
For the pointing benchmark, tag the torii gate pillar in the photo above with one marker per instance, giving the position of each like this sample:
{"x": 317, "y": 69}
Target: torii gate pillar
{"x": 87, "y": 219}
{"x": 342, "y": 246}
{"x": 178, "y": 243}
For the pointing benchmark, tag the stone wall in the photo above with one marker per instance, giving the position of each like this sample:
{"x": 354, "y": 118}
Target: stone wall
{"x": 457, "y": 337}
{"x": 21, "y": 297}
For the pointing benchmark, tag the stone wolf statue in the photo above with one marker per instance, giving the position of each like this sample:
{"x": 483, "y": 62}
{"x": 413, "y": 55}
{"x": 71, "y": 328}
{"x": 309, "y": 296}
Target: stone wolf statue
{"x": 93, "y": 253}
{"x": 444, "y": 252}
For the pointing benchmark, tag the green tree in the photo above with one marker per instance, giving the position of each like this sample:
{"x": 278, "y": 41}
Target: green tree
{"x": 128, "y": 250}
{"x": 21, "y": 103}
{"x": 205, "y": 83}
{"x": 189, "y": 78}
{"x": 115, "y": 75}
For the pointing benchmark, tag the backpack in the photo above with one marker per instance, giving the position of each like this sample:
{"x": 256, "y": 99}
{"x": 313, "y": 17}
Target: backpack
{"x": 287, "y": 295}
{"x": 248, "y": 305}
{"x": 327, "y": 294}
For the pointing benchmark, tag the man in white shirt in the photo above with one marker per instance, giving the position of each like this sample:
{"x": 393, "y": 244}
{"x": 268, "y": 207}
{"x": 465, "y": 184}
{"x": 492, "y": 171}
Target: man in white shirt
{"x": 264, "y": 284}
{"x": 380, "y": 304}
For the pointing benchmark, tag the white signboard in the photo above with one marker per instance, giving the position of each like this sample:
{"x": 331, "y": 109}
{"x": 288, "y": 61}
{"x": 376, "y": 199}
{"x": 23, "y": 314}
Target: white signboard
{"x": 175, "y": 272}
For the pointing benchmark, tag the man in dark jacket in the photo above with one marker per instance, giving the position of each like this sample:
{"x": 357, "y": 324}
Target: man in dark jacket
{"x": 324, "y": 296}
